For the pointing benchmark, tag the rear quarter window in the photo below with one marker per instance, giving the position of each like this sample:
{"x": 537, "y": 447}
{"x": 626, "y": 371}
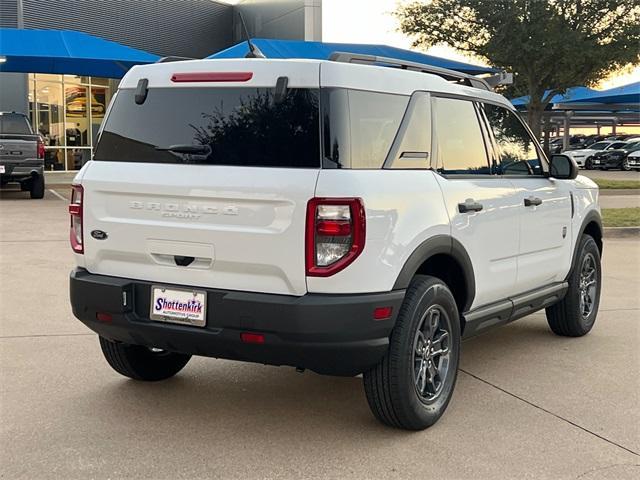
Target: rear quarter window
{"x": 359, "y": 127}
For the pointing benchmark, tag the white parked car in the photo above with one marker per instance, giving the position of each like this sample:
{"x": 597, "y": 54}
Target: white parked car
{"x": 339, "y": 216}
{"x": 582, "y": 155}
{"x": 633, "y": 160}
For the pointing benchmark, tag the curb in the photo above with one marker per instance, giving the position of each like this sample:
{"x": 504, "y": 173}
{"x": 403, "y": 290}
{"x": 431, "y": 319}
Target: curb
{"x": 622, "y": 232}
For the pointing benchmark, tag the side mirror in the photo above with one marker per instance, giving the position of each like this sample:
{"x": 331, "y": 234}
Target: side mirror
{"x": 563, "y": 168}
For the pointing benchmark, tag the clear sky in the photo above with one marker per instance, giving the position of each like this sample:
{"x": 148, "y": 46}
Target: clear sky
{"x": 371, "y": 21}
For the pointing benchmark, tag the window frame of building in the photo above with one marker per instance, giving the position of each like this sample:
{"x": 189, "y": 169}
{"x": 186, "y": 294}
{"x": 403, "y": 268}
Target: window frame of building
{"x": 65, "y": 154}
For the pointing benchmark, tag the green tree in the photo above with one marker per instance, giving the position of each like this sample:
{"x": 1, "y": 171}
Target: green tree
{"x": 549, "y": 45}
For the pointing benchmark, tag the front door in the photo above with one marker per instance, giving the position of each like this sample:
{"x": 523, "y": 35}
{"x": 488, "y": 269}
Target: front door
{"x": 544, "y": 204}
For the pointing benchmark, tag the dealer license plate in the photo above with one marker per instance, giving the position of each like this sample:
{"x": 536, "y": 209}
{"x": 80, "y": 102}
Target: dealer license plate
{"x": 1, "y": 168}
{"x": 187, "y": 307}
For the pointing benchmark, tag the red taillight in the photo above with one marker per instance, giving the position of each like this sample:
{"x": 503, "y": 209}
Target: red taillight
{"x": 247, "y": 337}
{"x": 212, "y": 77}
{"x": 76, "y": 235}
{"x": 40, "y": 148}
{"x": 335, "y": 234}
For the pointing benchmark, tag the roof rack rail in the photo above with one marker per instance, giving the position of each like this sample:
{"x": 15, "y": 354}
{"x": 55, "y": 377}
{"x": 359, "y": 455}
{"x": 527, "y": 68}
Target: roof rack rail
{"x": 173, "y": 58}
{"x": 450, "y": 75}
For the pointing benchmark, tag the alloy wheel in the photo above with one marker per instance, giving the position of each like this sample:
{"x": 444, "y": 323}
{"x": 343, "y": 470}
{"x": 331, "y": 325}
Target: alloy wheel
{"x": 431, "y": 353}
{"x": 588, "y": 285}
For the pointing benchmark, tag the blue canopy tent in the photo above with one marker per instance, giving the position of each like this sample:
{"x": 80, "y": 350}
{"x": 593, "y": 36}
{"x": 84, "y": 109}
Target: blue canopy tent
{"x": 322, "y": 51}
{"x": 570, "y": 94}
{"x": 626, "y": 94}
{"x": 586, "y": 107}
{"x": 66, "y": 52}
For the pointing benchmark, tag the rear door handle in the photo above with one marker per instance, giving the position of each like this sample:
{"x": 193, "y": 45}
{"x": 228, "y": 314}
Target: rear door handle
{"x": 469, "y": 205}
{"x": 532, "y": 202}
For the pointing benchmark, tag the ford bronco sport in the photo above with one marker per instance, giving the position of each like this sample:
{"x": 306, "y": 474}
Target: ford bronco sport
{"x": 350, "y": 216}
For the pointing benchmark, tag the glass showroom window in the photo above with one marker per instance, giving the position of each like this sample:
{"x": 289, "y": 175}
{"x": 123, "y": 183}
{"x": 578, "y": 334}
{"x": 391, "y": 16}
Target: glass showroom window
{"x": 67, "y": 111}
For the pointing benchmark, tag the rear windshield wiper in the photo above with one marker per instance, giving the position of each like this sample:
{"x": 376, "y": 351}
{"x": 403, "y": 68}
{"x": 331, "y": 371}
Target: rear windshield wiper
{"x": 188, "y": 153}
{"x": 188, "y": 149}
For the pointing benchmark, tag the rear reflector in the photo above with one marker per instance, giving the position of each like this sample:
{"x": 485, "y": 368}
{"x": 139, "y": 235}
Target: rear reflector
{"x": 382, "y": 313}
{"x": 212, "y": 77}
{"x": 104, "y": 317}
{"x": 247, "y": 337}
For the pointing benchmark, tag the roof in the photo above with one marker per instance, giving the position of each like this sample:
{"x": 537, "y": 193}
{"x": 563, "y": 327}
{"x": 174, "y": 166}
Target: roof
{"x": 67, "y": 51}
{"x": 302, "y": 73}
{"x": 321, "y": 51}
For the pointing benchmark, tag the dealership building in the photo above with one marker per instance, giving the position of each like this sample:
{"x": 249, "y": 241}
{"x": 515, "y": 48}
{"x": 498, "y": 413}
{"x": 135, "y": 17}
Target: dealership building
{"x": 66, "y": 101}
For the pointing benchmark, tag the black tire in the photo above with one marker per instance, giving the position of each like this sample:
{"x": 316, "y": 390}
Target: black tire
{"x": 625, "y": 165}
{"x": 141, "y": 363}
{"x": 570, "y": 317}
{"x": 37, "y": 187}
{"x": 392, "y": 387}
{"x": 588, "y": 164}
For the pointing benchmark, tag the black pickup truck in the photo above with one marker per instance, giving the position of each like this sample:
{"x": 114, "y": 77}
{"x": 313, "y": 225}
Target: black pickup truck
{"x": 21, "y": 154}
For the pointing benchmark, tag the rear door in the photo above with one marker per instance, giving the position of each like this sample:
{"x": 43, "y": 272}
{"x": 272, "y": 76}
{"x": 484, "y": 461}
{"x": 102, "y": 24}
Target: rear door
{"x": 206, "y": 184}
{"x": 483, "y": 208}
{"x": 544, "y": 204}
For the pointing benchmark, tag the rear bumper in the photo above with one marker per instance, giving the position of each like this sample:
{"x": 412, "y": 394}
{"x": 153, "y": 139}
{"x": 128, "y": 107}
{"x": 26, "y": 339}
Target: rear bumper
{"x": 330, "y": 334}
{"x": 18, "y": 171}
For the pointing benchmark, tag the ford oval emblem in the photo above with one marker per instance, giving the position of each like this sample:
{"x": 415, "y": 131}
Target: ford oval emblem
{"x": 99, "y": 234}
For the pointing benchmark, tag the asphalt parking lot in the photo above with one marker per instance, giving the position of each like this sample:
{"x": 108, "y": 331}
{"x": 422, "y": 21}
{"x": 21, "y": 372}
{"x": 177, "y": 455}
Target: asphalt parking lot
{"x": 528, "y": 404}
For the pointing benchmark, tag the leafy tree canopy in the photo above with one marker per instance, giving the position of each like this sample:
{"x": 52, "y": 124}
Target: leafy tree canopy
{"x": 549, "y": 45}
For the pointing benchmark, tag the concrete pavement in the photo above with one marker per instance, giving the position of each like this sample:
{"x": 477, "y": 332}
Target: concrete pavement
{"x": 619, "y": 201}
{"x": 527, "y": 404}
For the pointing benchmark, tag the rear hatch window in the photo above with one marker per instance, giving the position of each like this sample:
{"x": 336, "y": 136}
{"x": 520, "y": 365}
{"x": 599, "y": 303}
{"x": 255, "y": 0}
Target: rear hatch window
{"x": 214, "y": 126}
{"x": 14, "y": 123}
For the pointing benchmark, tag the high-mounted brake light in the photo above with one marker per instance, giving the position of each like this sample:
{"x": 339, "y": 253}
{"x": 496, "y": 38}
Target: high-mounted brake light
{"x": 335, "y": 234}
{"x": 76, "y": 235}
{"x": 212, "y": 77}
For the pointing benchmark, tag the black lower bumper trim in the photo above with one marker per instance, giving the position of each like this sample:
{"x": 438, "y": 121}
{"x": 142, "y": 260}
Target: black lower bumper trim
{"x": 330, "y": 334}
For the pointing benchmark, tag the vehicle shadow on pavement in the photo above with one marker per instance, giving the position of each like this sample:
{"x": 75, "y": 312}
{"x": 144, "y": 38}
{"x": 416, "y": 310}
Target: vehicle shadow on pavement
{"x": 218, "y": 396}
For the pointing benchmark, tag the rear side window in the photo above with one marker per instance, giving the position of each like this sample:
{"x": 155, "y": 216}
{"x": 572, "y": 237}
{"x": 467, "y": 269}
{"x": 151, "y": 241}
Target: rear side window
{"x": 214, "y": 126}
{"x": 460, "y": 144}
{"x": 14, "y": 123}
{"x": 359, "y": 127}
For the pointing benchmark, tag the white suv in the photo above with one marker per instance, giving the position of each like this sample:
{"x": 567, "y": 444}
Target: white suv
{"x": 345, "y": 216}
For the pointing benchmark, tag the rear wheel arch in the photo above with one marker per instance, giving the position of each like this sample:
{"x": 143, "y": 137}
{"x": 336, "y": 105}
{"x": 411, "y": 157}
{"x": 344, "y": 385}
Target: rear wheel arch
{"x": 445, "y": 258}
